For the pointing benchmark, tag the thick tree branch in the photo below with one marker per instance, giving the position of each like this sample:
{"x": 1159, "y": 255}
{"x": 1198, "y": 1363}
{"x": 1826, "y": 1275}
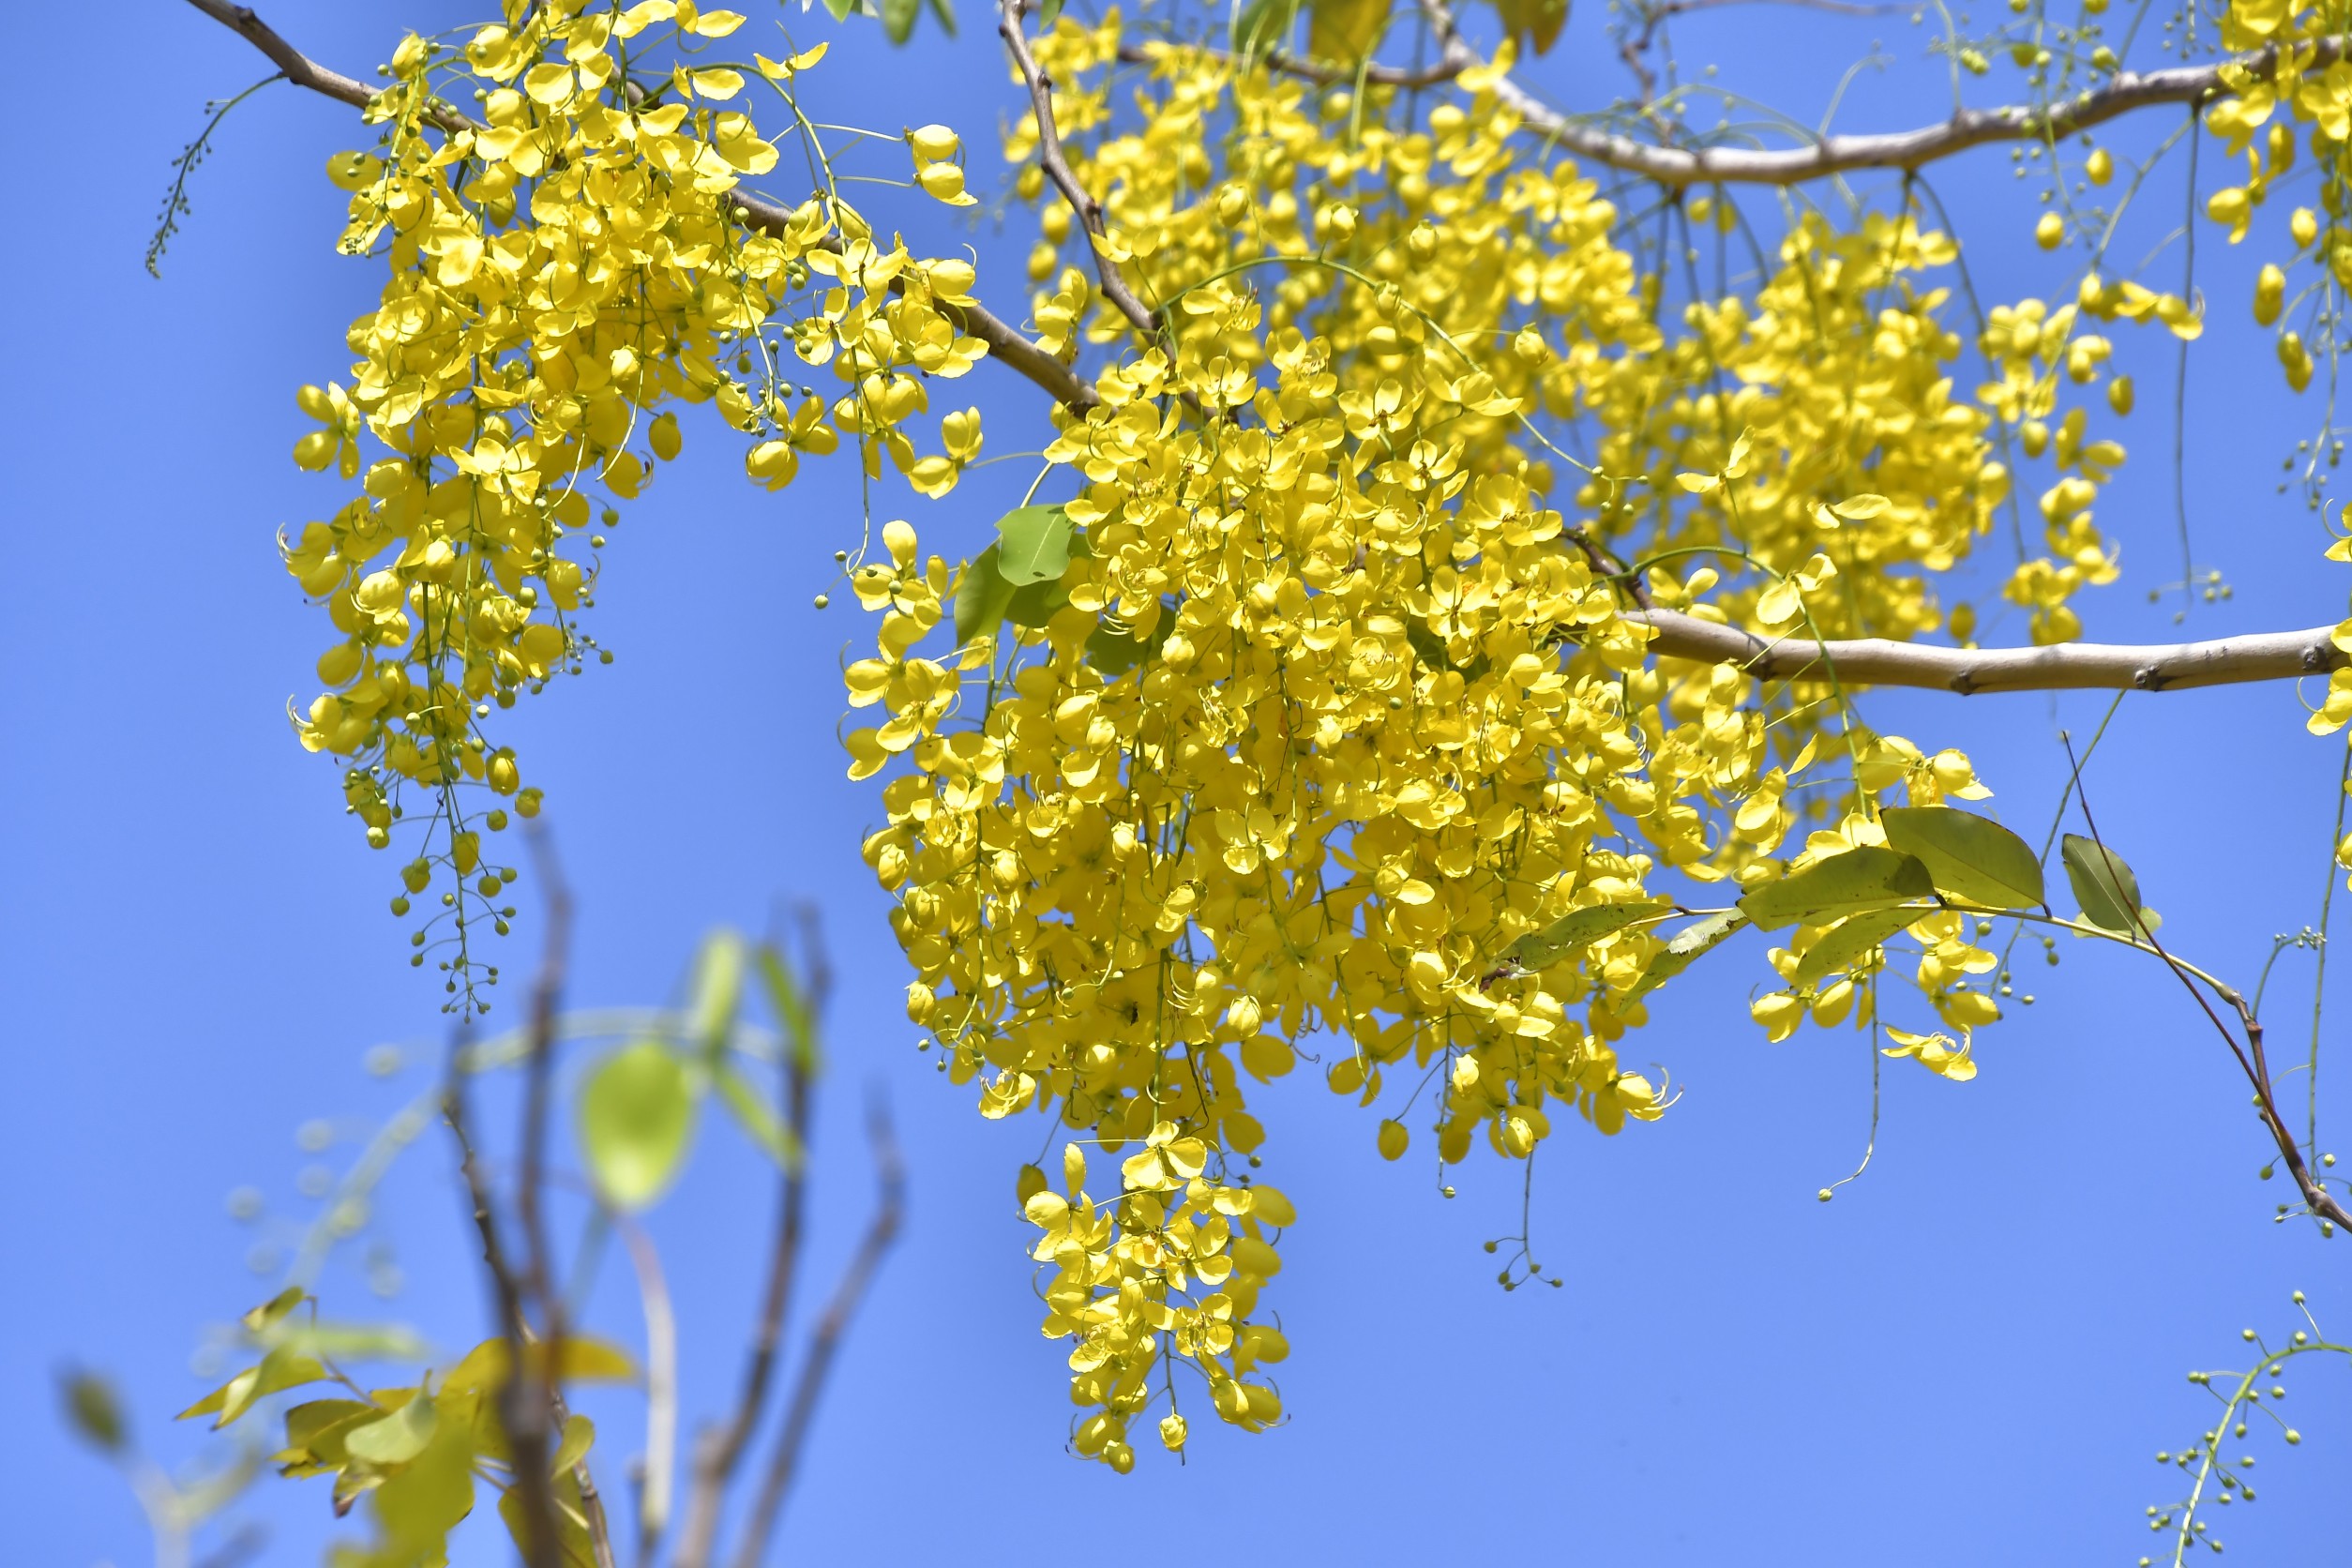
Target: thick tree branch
{"x": 1057, "y": 167}
{"x": 1006, "y": 342}
{"x": 2122, "y": 93}
{"x": 2062, "y": 667}
{"x": 1153, "y": 50}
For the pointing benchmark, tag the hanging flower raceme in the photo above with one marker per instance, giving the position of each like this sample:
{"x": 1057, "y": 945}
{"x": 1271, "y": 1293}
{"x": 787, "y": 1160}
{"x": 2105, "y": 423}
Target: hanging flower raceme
{"x": 560, "y": 271}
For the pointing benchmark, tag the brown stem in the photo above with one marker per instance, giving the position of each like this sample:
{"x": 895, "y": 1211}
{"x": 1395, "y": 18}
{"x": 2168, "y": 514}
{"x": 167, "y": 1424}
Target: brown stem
{"x": 718, "y": 1451}
{"x": 825, "y": 1340}
{"x": 2251, "y": 1059}
{"x": 2123, "y": 93}
{"x": 1057, "y": 167}
{"x": 523, "y": 1416}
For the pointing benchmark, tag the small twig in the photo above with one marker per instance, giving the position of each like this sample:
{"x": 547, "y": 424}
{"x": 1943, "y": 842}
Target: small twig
{"x": 2251, "y": 1059}
{"x": 825, "y": 1340}
{"x": 1292, "y": 64}
{"x": 1057, "y": 167}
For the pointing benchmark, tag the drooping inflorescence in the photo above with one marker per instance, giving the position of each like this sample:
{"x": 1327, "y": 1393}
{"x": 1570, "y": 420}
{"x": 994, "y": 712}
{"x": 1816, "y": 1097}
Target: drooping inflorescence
{"x": 1313, "y": 714}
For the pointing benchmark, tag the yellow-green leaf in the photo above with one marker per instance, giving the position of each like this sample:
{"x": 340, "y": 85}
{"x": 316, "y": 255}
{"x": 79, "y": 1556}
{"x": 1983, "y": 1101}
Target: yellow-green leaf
{"x": 2103, "y": 884}
{"x": 1576, "y": 931}
{"x": 397, "y": 1437}
{"x": 1868, "y": 877}
{"x": 1968, "y": 857}
{"x": 1836, "y": 948}
{"x": 636, "y": 1115}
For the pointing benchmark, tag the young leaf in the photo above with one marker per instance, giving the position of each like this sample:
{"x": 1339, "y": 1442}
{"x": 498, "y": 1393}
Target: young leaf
{"x": 270, "y": 1311}
{"x": 946, "y": 14}
{"x": 1689, "y": 945}
{"x": 897, "y": 17}
{"x": 757, "y": 1117}
{"x": 1838, "y": 947}
{"x": 579, "y": 1434}
{"x": 96, "y": 1412}
{"x": 1868, "y": 877}
{"x": 1345, "y": 30}
{"x": 1969, "y": 857}
{"x": 982, "y": 596}
{"x": 2103, "y": 884}
{"x": 576, "y": 1548}
{"x": 636, "y": 1114}
{"x": 1035, "y": 543}
{"x": 717, "y": 992}
{"x": 396, "y": 1437}
{"x": 791, "y": 1008}
{"x": 1578, "y": 928}
{"x": 283, "y": 1367}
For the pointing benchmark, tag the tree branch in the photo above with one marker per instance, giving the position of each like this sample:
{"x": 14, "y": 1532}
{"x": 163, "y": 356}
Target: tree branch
{"x": 2124, "y": 91}
{"x": 1057, "y": 167}
{"x": 2060, "y": 667}
{"x": 825, "y": 1339}
{"x": 527, "y": 1430}
{"x": 718, "y": 1451}
{"x": 1005, "y": 343}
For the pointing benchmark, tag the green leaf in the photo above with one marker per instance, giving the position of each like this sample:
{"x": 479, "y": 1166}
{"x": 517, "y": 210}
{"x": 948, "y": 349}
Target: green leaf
{"x": 791, "y": 1006}
{"x": 1969, "y": 857}
{"x": 1345, "y": 30}
{"x": 1264, "y": 24}
{"x": 757, "y": 1117}
{"x": 1035, "y": 543}
{"x": 270, "y": 1311}
{"x": 1689, "y": 945}
{"x": 717, "y": 991}
{"x": 397, "y": 1437}
{"x": 1431, "y": 647}
{"x": 1115, "y": 653}
{"x": 428, "y": 1498}
{"x": 897, "y": 18}
{"x": 841, "y": 9}
{"x": 1576, "y": 929}
{"x": 315, "y": 1431}
{"x": 946, "y": 14}
{"x": 283, "y": 1367}
{"x": 1868, "y": 877}
{"x": 580, "y": 1433}
{"x": 636, "y": 1114}
{"x": 577, "y": 1550}
{"x": 585, "y": 1360}
{"x": 2103, "y": 884}
{"x": 982, "y": 596}
{"x": 94, "y": 1411}
{"x": 1838, "y": 947}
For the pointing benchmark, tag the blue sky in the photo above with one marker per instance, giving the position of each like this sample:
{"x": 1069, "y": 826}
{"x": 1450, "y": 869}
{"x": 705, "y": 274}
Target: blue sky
{"x": 1973, "y": 1353}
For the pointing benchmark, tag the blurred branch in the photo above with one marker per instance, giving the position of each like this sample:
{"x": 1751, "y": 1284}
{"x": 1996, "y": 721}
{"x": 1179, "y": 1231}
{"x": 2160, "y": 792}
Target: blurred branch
{"x": 825, "y": 1339}
{"x": 526, "y": 1429}
{"x": 718, "y": 1451}
{"x": 661, "y": 1388}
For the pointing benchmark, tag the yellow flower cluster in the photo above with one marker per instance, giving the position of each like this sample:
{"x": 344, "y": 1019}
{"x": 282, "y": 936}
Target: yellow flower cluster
{"x": 1320, "y": 716}
{"x": 558, "y": 270}
{"x": 1169, "y": 1269}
